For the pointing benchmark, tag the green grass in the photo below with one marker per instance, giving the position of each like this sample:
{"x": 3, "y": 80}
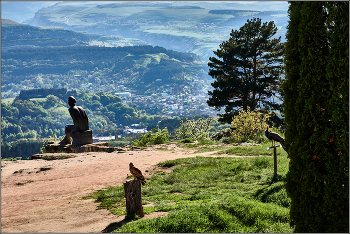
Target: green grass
{"x": 209, "y": 194}
{"x": 60, "y": 109}
{"x": 7, "y": 100}
{"x": 119, "y": 142}
{"x": 209, "y": 149}
{"x": 11, "y": 159}
{"x": 253, "y": 150}
{"x": 38, "y": 99}
{"x": 164, "y": 149}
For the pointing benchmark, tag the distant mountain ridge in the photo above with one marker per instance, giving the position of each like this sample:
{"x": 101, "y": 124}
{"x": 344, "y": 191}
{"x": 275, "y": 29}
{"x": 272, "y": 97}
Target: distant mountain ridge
{"x": 7, "y": 22}
{"x": 196, "y": 27}
{"x": 15, "y": 35}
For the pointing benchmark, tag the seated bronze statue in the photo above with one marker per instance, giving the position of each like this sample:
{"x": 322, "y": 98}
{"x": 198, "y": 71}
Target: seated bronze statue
{"x": 79, "y": 130}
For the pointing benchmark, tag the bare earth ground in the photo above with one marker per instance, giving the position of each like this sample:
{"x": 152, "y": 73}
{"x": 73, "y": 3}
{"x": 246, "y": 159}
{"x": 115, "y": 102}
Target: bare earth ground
{"x": 37, "y": 200}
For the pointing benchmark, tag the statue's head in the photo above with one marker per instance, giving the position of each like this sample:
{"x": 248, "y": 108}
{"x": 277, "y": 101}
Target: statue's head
{"x": 71, "y": 101}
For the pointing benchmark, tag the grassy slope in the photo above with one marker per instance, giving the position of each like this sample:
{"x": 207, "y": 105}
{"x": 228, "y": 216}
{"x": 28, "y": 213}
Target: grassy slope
{"x": 205, "y": 194}
{"x": 7, "y": 100}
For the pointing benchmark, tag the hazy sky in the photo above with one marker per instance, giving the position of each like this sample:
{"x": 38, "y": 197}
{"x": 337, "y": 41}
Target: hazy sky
{"x": 21, "y": 11}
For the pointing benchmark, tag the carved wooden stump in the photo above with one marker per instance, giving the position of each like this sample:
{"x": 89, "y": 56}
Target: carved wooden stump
{"x": 132, "y": 190}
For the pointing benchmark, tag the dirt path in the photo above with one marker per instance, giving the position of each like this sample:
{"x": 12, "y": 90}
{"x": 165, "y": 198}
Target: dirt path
{"x": 46, "y": 196}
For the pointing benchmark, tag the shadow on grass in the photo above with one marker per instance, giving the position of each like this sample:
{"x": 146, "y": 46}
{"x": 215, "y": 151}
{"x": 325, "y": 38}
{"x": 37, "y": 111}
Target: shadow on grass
{"x": 267, "y": 192}
{"x": 276, "y": 178}
{"x": 113, "y": 226}
{"x": 273, "y": 179}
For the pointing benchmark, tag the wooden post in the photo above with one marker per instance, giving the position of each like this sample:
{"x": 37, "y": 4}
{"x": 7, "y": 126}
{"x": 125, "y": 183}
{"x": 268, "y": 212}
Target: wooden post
{"x": 274, "y": 161}
{"x": 132, "y": 190}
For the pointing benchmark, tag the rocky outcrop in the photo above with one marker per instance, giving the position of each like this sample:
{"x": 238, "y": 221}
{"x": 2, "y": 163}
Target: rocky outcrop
{"x": 54, "y": 147}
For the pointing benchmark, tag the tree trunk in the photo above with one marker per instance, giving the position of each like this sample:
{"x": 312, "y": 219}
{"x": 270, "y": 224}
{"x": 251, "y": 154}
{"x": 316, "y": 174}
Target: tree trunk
{"x": 132, "y": 190}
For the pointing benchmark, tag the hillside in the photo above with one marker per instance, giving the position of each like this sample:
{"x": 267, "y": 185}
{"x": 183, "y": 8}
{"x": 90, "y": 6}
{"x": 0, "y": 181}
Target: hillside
{"x": 140, "y": 69}
{"x": 22, "y": 11}
{"x": 35, "y": 115}
{"x": 197, "y": 27}
{"x": 15, "y": 35}
{"x": 28, "y": 51}
{"x": 7, "y": 22}
{"x": 37, "y": 57}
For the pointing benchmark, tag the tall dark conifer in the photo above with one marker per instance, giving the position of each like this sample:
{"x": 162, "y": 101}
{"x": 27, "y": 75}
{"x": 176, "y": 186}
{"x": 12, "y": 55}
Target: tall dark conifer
{"x": 336, "y": 194}
{"x": 316, "y": 104}
{"x": 247, "y": 70}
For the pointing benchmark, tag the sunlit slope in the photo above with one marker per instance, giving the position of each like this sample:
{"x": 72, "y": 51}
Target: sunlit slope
{"x": 140, "y": 67}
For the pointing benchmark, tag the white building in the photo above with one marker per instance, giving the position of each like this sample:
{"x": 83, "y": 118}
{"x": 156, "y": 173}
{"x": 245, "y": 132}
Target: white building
{"x": 124, "y": 94}
{"x": 174, "y": 107}
{"x": 132, "y": 131}
{"x": 103, "y": 138}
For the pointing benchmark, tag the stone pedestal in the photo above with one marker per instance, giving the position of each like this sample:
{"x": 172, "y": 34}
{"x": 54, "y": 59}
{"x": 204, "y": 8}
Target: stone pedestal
{"x": 56, "y": 147}
{"x": 82, "y": 138}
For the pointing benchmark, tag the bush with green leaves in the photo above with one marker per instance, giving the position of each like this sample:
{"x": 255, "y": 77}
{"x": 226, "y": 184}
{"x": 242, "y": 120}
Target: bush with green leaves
{"x": 248, "y": 125}
{"x": 193, "y": 129}
{"x": 154, "y": 137}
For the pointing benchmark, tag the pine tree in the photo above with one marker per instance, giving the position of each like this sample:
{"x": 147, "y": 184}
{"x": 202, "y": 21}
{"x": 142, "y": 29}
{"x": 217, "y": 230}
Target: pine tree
{"x": 248, "y": 70}
{"x": 316, "y": 115}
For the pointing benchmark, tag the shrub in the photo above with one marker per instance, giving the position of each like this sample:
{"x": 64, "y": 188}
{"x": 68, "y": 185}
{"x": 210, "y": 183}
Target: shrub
{"x": 187, "y": 140}
{"x": 248, "y": 125}
{"x": 154, "y": 137}
{"x": 193, "y": 129}
{"x": 226, "y": 140}
{"x": 224, "y": 133}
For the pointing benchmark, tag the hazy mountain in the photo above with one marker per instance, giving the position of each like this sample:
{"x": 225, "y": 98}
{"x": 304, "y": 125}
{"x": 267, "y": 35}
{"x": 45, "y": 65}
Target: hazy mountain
{"x": 22, "y": 10}
{"x": 197, "y": 27}
{"x": 15, "y": 35}
{"x": 7, "y": 22}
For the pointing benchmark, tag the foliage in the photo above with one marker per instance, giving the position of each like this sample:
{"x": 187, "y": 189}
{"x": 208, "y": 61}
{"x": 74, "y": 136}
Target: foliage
{"x": 248, "y": 70}
{"x": 170, "y": 123}
{"x": 206, "y": 194}
{"x": 133, "y": 66}
{"x": 11, "y": 159}
{"x": 23, "y": 148}
{"x": 317, "y": 134}
{"x": 187, "y": 140}
{"x": 193, "y": 129}
{"x": 155, "y": 137}
{"x": 30, "y": 119}
{"x": 50, "y": 138}
{"x": 248, "y": 124}
{"x": 42, "y": 93}
{"x": 29, "y": 36}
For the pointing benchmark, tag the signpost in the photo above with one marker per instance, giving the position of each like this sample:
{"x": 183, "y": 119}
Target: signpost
{"x": 274, "y": 158}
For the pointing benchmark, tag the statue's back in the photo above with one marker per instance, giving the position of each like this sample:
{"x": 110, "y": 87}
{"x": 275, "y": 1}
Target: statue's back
{"x": 80, "y": 119}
